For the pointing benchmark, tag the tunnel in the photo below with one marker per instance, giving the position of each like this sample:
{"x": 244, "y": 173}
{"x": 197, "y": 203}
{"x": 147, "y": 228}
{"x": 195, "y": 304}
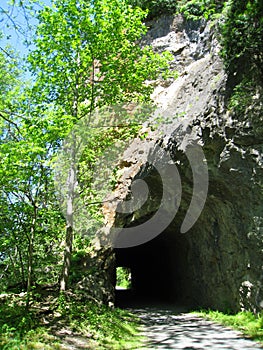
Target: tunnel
{"x": 159, "y": 272}
{"x": 201, "y": 268}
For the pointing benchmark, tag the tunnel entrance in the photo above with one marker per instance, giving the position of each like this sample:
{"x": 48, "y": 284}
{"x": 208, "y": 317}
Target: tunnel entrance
{"x": 158, "y": 269}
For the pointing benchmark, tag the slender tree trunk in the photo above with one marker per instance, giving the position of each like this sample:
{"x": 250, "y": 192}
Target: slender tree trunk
{"x": 29, "y": 269}
{"x": 12, "y": 261}
{"x": 71, "y": 184}
{"x": 22, "y": 268}
{"x": 30, "y": 257}
{"x": 67, "y": 259}
{"x": 92, "y": 89}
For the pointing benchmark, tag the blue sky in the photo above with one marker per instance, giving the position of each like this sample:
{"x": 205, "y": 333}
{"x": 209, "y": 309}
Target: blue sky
{"x": 16, "y": 39}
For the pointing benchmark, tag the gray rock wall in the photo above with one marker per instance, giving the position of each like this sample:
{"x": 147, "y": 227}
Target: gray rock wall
{"x": 218, "y": 262}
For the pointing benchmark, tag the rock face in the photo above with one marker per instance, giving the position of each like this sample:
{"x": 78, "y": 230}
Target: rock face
{"x": 92, "y": 276}
{"x": 218, "y": 262}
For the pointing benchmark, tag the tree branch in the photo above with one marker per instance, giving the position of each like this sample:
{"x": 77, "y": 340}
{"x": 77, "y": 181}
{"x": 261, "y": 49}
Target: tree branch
{"x": 10, "y": 122}
{"x": 6, "y": 53}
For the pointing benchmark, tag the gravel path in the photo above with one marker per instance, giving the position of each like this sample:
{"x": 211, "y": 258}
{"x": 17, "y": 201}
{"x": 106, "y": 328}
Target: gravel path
{"x": 165, "y": 329}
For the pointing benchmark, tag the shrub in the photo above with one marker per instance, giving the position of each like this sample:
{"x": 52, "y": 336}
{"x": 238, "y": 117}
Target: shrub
{"x": 242, "y": 37}
{"x": 198, "y": 9}
{"x": 155, "y": 7}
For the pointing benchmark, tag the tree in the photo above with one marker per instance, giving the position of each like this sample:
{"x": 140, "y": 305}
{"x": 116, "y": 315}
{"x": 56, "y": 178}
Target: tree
{"x": 17, "y": 17}
{"x": 30, "y": 219}
{"x": 88, "y": 55}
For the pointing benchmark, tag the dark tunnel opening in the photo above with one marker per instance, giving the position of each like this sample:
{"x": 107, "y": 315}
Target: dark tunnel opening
{"x": 158, "y": 271}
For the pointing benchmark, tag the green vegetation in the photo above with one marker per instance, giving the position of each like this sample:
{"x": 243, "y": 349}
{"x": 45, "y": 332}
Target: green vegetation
{"x": 75, "y": 73}
{"x": 200, "y": 9}
{"x": 155, "y": 7}
{"x": 99, "y": 326}
{"x": 242, "y": 33}
{"x": 194, "y": 9}
{"x": 242, "y": 51}
{"x": 246, "y": 322}
{"x": 123, "y": 277}
{"x": 85, "y": 55}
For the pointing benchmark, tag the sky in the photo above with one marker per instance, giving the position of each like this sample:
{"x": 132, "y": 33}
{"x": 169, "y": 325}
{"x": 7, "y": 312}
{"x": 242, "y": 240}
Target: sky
{"x": 15, "y": 15}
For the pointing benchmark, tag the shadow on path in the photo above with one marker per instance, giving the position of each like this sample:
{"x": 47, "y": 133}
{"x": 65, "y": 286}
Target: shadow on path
{"x": 170, "y": 329}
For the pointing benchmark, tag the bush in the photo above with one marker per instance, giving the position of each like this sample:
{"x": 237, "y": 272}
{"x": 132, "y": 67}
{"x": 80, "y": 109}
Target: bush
{"x": 242, "y": 37}
{"x": 193, "y": 9}
{"x": 198, "y": 9}
{"x": 155, "y": 7}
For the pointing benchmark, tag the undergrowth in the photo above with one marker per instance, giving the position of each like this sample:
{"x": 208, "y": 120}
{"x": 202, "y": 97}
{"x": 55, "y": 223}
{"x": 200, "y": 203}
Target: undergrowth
{"x": 100, "y": 326}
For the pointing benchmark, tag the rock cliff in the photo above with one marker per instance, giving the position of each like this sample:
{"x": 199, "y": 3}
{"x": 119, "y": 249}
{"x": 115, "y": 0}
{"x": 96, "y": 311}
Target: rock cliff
{"x": 217, "y": 263}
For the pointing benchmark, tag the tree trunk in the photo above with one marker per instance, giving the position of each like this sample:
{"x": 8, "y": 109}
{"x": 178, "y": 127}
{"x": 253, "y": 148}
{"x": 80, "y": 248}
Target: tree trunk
{"x": 29, "y": 269}
{"x": 67, "y": 259}
{"x": 22, "y": 268}
{"x": 30, "y": 257}
{"x": 71, "y": 186}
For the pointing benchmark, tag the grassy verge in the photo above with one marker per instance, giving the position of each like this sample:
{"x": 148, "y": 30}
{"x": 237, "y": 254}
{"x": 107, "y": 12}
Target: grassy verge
{"x": 98, "y": 326}
{"x": 249, "y": 324}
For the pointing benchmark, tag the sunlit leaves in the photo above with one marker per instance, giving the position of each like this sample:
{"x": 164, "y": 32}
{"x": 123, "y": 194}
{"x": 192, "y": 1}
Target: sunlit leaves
{"x": 88, "y": 55}
{"x": 28, "y": 211}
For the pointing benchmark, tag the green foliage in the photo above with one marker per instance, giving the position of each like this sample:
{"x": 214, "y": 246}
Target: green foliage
{"x": 194, "y": 9}
{"x": 123, "y": 277}
{"x": 115, "y": 329}
{"x": 101, "y": 142}
{"x": 29, "y": 218}
{"x": 9, "y": 77}
{"x": 94, "y": 42}
{"x": 242, "y": 51}
{"x": 86, "y": 56}
{"x": 200, "y": 9}
{"x": 101, "y": 326}
{"x": 20, "y": 329}
{"x": 155, "y": 7}
{"x": 245, "y": 103}
{"x": 242, "y": 38}
{"x": 243, "y": 97}
{"x": 247, "y": 322}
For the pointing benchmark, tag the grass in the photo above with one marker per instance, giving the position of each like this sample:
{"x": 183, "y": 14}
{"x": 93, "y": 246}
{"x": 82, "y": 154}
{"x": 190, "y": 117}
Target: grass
{"x": 113, "y": 329}
{"x": 248, "y": 323}
{"x": 100, "y": 327}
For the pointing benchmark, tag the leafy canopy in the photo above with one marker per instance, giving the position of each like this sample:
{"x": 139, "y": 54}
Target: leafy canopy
{"x": 87, "y": 55}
